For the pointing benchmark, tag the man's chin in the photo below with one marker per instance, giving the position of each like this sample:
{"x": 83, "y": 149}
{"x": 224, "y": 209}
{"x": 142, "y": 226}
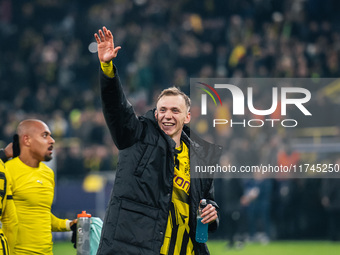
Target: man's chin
{"x": 48, "y": 158}
{"x": 168, "y": 132}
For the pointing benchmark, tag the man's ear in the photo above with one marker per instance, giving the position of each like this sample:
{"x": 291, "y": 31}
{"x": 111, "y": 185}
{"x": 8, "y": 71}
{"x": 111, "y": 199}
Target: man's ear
{"x": 187, "y": 118}
{"x": 26, "y": 140}
{"x": 156, "y": 115}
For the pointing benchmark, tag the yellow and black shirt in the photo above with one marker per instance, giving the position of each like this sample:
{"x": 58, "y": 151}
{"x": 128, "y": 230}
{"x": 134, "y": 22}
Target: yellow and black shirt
{"x": 177, "y": 240}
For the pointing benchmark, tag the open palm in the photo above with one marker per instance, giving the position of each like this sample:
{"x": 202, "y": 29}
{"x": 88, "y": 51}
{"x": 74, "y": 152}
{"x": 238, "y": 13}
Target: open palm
{"x": 106, "y": 47}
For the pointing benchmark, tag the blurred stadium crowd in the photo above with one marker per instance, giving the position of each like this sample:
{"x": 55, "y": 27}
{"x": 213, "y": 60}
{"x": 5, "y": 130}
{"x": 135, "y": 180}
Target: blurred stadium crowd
{"x": 49, "y": 70}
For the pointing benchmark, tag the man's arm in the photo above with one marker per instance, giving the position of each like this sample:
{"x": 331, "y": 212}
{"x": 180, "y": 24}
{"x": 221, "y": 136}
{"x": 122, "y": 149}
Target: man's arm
{"x": 61, "y": 225}
{"x": 120, "y": 117}
{"x": 6, "y": 153}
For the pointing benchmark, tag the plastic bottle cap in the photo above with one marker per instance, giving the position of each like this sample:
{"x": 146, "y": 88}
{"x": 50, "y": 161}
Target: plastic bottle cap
{"x": 204, "y": 202}
{"x": 83, "y": 214}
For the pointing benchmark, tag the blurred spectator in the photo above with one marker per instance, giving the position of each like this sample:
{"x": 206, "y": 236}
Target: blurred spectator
{"x": 258, "y": 192}
{"x": 330, "y": 199}
{"x": 233, "y": 219}
{"x": 285, "y": 192}
{"x": 69, "y": 161}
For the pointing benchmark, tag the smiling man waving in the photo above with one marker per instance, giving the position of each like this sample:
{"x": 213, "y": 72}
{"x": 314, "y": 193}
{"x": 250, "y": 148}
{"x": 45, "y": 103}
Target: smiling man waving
{"x": 154, "y": 201}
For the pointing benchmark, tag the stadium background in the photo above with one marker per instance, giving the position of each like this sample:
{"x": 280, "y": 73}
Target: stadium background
{"x": 49, "y": 70}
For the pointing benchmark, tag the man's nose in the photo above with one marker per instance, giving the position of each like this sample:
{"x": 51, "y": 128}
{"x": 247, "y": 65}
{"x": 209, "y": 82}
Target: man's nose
{"x": 168, "y": 115}
{"x": 52, "y": 140}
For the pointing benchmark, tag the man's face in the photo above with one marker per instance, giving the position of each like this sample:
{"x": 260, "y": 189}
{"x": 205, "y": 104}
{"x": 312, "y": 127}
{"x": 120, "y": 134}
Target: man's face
{"x": 171, "y": 114}
{"x": 41, "y": 142}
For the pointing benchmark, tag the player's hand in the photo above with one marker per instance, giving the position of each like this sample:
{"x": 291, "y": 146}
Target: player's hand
{"x": 209, "y": 214}
{"x": 9, "y": 150}
{"x": 106, "y": 47}
{"x": 73, "y": 222}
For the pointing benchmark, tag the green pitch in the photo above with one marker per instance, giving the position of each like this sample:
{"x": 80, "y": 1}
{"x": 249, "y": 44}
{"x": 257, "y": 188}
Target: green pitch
{"x": 219, "y": 248}
{"x": 278, "y": 248}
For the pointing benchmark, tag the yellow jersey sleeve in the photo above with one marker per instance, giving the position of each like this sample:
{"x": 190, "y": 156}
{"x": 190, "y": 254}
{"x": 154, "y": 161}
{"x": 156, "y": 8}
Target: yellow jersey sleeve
{"x": 58, "y": 225}
{"x": 108, "y": 69}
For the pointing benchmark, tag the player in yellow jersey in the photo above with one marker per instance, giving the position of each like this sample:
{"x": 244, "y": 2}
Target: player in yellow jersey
{"x": 8, "y": 216}
{"x": 33, "y": 190}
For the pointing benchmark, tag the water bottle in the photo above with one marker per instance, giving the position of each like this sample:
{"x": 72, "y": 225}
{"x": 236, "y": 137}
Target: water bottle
{"x": 201, "y": 229}
{"x": 83, "y": 233}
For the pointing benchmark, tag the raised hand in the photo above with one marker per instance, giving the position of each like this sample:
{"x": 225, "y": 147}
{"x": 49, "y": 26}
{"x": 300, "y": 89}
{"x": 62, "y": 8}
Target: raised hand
{"x": 106, "y": 47}
{"x": 9, "y": 150}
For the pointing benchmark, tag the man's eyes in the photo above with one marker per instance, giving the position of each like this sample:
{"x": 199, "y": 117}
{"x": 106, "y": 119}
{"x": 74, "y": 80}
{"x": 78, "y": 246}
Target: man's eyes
{"x": 173, "y": 110}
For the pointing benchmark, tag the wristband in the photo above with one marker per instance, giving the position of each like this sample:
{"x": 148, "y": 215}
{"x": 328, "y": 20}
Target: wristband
{"x": 108, "y": 69}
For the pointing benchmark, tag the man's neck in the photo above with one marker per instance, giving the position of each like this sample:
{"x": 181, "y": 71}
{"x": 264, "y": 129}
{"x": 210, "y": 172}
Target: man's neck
{"x": 29, "y": 161}
{"x": 177, "y": 140}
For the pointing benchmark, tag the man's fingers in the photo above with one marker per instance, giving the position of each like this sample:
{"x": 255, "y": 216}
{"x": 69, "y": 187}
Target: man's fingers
{"x": 206, "y": 210}
{"x": 108, "y": 34}
{"x": 101, "y": 35}
{"x": 209, "y": 214}
{"x": 73, "y": 222}
{"x": 97, "y": 38}
{"x": 210, "y": 217}
{"x": 117, "y": 49}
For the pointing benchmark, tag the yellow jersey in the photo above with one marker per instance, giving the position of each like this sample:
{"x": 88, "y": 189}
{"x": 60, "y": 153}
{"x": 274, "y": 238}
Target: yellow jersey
{"x": 177, "y": 240}
{"x": 8, "y": 216}
{"x": 33, "y": 191}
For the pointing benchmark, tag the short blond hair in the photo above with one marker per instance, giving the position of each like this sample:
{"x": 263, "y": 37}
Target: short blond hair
{"x": 173, "y": 91}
